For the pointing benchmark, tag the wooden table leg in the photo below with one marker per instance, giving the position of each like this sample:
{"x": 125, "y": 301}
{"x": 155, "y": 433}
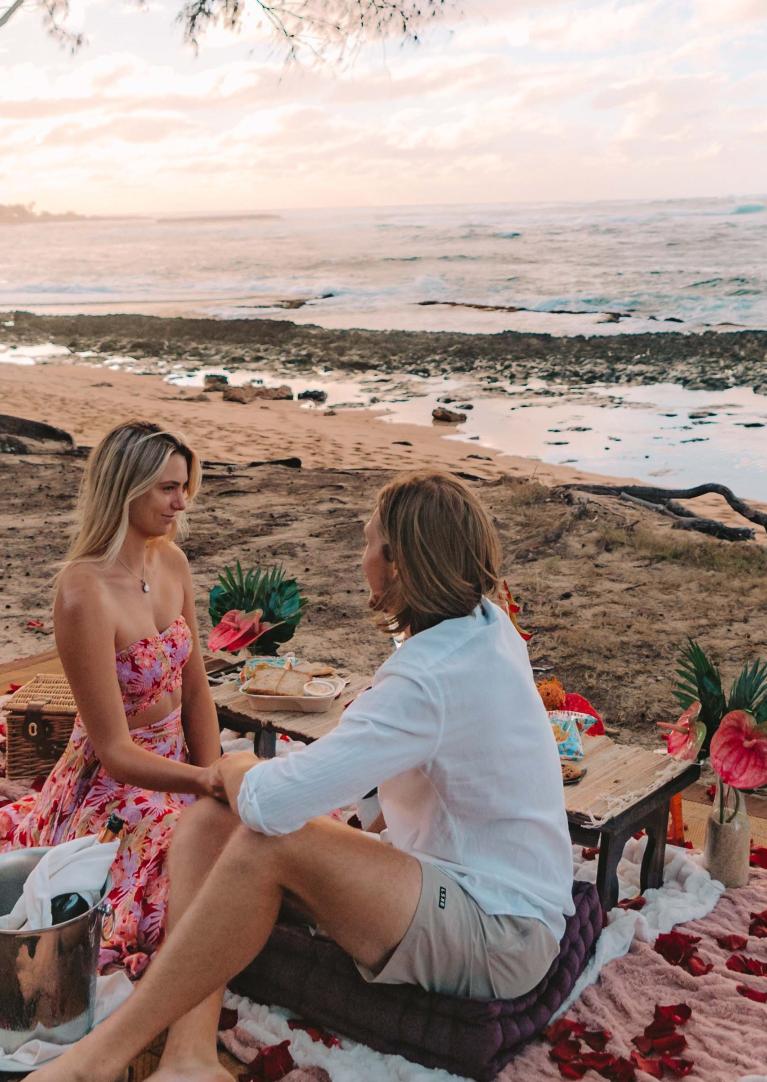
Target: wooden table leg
{"x": 611, "y": 848}
{"x": 265, "y": 743}
{"x": 655, "y": 853}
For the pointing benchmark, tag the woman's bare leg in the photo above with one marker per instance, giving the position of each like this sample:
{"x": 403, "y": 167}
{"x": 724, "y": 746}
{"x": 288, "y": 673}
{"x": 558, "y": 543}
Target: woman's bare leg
{"x": 190, "y": 1053}
{"x": 363, "y": 893}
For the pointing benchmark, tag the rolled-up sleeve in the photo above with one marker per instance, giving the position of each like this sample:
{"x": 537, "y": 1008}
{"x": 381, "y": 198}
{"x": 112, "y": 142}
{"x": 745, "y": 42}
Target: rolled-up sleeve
{"x": 393, "y": 727}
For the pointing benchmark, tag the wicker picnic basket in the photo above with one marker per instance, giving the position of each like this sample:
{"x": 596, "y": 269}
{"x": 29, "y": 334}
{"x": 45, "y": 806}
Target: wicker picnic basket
{"x": 40, "y": 716}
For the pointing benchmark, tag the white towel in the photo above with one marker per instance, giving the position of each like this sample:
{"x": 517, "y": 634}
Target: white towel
{"x": 77, "y": 867}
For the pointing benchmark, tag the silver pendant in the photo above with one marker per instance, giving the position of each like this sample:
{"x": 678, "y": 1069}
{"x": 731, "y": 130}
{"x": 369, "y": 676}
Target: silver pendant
{"x": 145, "y": 586}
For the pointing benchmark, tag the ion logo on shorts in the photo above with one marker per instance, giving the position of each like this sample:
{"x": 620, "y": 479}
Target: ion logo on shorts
{"x": 442, "y": 897}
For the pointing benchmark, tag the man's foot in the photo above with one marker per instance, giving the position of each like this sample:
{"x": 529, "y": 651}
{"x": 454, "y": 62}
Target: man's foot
{"x": 190, "y": 1074}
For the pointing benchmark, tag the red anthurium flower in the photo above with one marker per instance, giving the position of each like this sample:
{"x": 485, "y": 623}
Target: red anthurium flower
{"x": 759, "y": 856}
{"x": 741, "y": 963}
{"x": 270, "y": 1065}
{"x": 237, "y": 629}
{"x": 227, "y": 1019}
{"x": 653, "y": 1067}
{"x": 732, "y": 942}
{"x": 751, "y": 993}
{"x": 685, "y": 738}
{"x": 758, "y": 925}
{"x": 739, "y": 751}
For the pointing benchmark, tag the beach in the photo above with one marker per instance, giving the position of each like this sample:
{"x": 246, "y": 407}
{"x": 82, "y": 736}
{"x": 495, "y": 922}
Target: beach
{"x": 609, "y": 590}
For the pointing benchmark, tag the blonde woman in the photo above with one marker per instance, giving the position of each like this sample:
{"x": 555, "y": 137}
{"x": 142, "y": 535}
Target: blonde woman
{"x": 470, "y": 895}
{"x": 146, "y": 727}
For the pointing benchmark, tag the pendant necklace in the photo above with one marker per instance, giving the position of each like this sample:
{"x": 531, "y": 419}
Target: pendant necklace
{"x": 142, "y": 580}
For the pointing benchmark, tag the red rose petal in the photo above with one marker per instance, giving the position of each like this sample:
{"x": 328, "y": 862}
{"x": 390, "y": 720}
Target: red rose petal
{"x": 590, "y": 854}
{"x": 676, "y": 947}
{"x": 678, "y": 1067}
{"x": 741, "y": 963}
{"x": 620, "y": 1070}
{"x": 653, "y": 1067}
{"x": 565, "y": 1050}
{"x": 317, "y": 1033}
{"x": 572, "y": 1070}
{"x": 270, "y": 1065}
{"x": 637, "y": 902}
{"x": 671, "y": 1043}
{"x": 732, "y": 942}
{"x": 751, "y": 993}
{"x": 697, "y": 967}
{"x": 678, "y": 1013}
{"x": 597, "y": 1038}
{"x": 563, "y": 1027}
{"x": 644, "y": 1044}
{"x": 228, "y": 1018}
{"x": 597, "y": 1061}
{"x": 759, "y": 856}
{"x": 758, "y": 925}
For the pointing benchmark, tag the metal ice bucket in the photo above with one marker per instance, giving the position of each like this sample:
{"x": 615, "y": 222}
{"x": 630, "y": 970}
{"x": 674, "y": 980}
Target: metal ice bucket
{"x": 47, "y": 977}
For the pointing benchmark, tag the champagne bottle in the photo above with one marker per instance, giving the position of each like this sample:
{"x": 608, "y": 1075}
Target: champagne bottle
{"x": 112, "y": 828}
{"x": 68, "y": 906}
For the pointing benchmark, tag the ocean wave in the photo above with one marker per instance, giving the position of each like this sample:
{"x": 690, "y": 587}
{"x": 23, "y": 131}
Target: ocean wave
{"x": 750, "y": 208}
{"x": 507, "y": 236}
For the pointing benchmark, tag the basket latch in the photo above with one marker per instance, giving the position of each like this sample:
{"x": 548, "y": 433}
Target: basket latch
{"x": 37, "y": 729}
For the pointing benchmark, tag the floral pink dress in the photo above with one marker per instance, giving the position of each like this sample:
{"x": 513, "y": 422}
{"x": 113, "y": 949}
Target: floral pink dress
{"x": 79, "y": 796}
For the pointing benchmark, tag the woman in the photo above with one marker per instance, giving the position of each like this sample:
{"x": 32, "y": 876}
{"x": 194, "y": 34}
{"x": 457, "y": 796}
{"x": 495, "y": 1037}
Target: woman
{"x": 470, "y": 895}
{"x": 146, "y": 724}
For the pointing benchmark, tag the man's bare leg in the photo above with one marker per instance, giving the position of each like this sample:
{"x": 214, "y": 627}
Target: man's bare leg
{"x": 190, "y": 1053}
{"x": 363, "y": 893}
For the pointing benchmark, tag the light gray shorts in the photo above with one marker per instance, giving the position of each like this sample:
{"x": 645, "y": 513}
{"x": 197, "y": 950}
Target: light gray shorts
{"x": 452, "y": 946}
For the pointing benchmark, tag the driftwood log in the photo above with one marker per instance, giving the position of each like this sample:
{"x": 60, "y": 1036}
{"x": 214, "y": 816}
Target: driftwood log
{"x": 664, "y": 502}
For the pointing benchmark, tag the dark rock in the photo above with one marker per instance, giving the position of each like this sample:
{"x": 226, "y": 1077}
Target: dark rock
{"x": 214, "y": 381}
{"x": 34, "y": 430}
{"x": 446, "y": 416}
{"x": 12, "y": 445}
{"x": 313, "y": 396}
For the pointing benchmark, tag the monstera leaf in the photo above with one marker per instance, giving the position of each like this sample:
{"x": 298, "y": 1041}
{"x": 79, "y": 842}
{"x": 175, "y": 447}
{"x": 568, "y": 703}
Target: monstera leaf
{"x": 268, "y": 590}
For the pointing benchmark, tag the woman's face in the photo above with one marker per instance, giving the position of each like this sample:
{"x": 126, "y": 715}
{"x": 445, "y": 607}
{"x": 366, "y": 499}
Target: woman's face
{"x": 155, "y": 513}
{"x": 377, "y": 566}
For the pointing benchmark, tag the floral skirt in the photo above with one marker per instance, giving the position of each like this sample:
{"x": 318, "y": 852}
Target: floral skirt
{"x": 76, "y": 799}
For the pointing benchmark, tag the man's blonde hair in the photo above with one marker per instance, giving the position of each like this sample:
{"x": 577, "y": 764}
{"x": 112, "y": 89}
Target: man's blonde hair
{"x": 443, "y": 545}
{"x": 126, "y": 464}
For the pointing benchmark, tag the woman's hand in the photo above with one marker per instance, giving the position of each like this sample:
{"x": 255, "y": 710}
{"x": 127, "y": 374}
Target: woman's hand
{"x": 233, "y": 769}
{"x": 211, "y": 782}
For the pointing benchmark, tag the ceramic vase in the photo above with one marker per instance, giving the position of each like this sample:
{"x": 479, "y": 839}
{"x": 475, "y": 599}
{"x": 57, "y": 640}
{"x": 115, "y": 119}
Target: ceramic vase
{"x": 728, "y": 838}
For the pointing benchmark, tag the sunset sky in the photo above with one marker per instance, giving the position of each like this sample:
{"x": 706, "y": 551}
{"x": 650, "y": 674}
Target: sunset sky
{"x": 503, "y": 100}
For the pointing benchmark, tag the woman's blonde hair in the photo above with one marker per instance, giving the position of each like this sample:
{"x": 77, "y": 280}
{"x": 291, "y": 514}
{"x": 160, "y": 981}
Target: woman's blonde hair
{"x": 443, "y": 545}
{"x": 126, "y": 464}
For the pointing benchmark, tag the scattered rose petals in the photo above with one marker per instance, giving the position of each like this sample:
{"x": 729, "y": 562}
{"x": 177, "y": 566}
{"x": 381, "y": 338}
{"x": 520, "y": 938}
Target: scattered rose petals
{"x": 653, "y": 1067}
{"x": 566, "y": 1049}
{"x": 590, "y": 854}
{"x": 597, "y": 1061}
{"x": 697, "y": 967}
{"x": 563, "y": 1027}
{"x": 759, "y": 856}
{"x": 597, "y": 1039}
{"x": 228, "y": 1018}
{"x": 741, "y": 963}
{"x": 758, "y": 925}
{"x": 317, "y": 1033}
{"x": 679, "y": 950}
{"x": 751, "y": 993}
{"x": 572, "y": 1070}
{"x": 637, "y": 902}
{"x": 270, "y": 1065}
{"x": 678, "y": 1067}
{"x": 677, "y": 1013}
{"x": 732, "y": 942}
{"x": 620, "y": 1070}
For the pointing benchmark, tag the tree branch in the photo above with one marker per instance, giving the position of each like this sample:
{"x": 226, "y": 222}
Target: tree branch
{"x": 9, "y": 12}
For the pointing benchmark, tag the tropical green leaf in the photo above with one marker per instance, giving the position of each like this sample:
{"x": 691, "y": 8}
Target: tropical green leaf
{"x": 750, "y": 688}
{"x": 267, "y": 589}
{"x": 698, "y": 679}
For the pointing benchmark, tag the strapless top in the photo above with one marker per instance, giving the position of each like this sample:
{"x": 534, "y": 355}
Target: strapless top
{"x": 150, "y": 667}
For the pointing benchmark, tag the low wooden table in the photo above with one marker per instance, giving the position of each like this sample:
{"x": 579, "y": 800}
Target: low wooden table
{"x": 626, "y": 789}
{"x": 241, "y": 713}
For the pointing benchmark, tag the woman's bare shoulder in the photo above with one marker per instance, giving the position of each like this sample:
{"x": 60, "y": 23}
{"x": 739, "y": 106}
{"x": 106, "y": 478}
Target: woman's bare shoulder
{"x": 172, "y": 558}
{"x": 81, "y": 591}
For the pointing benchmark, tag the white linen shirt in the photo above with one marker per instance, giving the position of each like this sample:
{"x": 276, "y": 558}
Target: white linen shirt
{"x": 455, "y": 735}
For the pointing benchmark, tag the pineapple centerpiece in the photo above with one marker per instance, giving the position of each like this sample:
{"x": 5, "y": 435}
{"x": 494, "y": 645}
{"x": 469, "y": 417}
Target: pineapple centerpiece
{"x": 258, "y": 609}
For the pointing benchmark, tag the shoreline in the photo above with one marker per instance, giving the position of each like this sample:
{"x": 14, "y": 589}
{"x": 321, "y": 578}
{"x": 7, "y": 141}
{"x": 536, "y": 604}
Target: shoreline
{"x": 711, "y": 360}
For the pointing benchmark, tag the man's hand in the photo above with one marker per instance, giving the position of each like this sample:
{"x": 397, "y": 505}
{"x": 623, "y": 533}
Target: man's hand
{"x": 232, "y": 769}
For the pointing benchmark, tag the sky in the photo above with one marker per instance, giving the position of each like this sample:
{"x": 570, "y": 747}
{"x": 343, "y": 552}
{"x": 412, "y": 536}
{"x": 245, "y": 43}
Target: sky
{"x": 499, "y": 101}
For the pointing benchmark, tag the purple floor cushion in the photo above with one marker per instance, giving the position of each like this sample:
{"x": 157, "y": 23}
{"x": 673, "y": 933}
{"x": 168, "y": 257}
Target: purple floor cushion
{"x": 312, "y": 976}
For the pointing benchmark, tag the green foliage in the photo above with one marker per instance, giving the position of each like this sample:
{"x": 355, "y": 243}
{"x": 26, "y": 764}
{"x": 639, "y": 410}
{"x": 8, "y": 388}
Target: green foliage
{"x": 699, "y": 680}
{"x": 279, "y": 599}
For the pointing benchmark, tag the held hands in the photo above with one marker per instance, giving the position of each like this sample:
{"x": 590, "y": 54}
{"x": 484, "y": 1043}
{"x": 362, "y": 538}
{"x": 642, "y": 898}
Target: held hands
{"x": 223, "y": 778}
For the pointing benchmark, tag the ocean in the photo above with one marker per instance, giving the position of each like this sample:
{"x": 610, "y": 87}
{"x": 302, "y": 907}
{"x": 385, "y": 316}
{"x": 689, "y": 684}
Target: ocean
{"x": 563, "y": 269}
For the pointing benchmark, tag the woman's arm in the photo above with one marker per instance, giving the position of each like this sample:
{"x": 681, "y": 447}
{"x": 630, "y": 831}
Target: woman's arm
{"x": 85, "y": 634}
{"x": 198, "y": 711}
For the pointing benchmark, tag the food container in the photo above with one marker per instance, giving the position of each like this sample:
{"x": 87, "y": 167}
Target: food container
{"x": 564, "y": 725}
{"x": 47, "y": 977}
{"x": 318, "y": 696}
